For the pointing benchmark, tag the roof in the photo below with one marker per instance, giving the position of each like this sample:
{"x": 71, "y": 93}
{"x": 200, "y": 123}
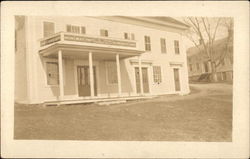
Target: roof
{"x": 168, "y": 19}
{"x": 152, "y": 21}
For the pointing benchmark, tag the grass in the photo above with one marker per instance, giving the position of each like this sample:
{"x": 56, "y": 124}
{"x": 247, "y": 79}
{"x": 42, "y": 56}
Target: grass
{"x": 184, "y": 118}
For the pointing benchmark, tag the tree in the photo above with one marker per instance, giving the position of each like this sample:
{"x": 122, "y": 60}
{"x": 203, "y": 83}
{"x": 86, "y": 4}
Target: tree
{"x": 203, "y": 32}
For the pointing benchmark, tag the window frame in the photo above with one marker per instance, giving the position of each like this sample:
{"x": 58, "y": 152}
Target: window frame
{"x": 177, "y": 47}
{"x": 132, "y": 36}
{"x": 163, "y": 45}
{"x": 77, "y": 29}
{"x": 47, "y": 31}
{"x": 157, "y": 74}
{"x": 147, "y": 43}
{"x": 124, "y": 35}
{"x": 105, "y": 31}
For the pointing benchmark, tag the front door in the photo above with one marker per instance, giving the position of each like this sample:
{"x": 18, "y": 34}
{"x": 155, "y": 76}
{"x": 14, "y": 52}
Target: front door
{"x": 177, "y": 79}
{"x": 83, "y": 79}
{"x": 144, "y": 80}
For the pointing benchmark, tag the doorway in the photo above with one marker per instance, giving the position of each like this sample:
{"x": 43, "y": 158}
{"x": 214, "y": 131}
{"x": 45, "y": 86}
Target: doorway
{"x": 177, "y": 79}
{"x": 83, "y": 78}
{"x": 145, "y": 82}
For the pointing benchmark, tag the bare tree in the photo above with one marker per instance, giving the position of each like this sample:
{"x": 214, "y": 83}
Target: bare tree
{"x": 203, "y": 32}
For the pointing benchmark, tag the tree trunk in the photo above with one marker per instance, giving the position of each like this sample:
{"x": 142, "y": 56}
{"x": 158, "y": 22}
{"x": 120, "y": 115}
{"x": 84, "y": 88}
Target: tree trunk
{"x": 213, "y": 72}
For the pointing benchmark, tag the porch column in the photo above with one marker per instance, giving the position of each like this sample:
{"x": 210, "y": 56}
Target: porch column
{"x": 118, "y": 75}
{"x": 91, "y": 75}
{"x": 140, "y": 74}
{"x": 61, "y": 82}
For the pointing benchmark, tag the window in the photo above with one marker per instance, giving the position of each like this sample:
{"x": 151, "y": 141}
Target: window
{"x": 129, "y": 36}
{"x": 190, "y": 67}
{"x": 176, "y": 47}
{"x": 52, "y": 73}
{"x": 163, "y": 45}
{"x": 48, "y": 29}
{"x": 132, "y": 36}
{"x": 104, "y": 32}
{"x": 147, "y": 43}
{"x": 75, "y": 29}
{"x": 197, "y": 66}
{"x": 126, "y": 36}
{"x": 157, "y": 74}
{"x": 83, "y": 30}
{"x": 111, "y": 72}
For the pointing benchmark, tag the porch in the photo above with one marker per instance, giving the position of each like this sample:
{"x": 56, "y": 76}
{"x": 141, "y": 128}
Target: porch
{"x": 87, "y": 71}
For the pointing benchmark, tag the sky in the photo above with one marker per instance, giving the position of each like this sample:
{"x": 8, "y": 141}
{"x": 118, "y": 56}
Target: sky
{"x": 221, "y": 32}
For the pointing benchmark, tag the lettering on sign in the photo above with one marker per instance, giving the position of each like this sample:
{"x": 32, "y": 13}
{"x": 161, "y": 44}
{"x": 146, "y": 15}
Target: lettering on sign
{"x": 99, "y": 40}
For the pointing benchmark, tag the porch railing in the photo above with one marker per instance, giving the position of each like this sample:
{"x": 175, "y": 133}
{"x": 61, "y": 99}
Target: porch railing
{"x": 64, "y": 36}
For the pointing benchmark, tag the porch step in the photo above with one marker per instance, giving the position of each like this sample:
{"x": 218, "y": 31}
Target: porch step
{"x": 99, "y": 101}
{"x": 111, "y": 102}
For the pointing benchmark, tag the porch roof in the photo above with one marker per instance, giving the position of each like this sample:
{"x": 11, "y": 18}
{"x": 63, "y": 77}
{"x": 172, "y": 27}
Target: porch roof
{"x": 76, "y": 46}
{"x": 81, "y": 51}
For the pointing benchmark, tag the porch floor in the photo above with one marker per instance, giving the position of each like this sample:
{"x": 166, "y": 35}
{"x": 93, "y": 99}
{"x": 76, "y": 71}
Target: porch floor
{"x": 97, "y": 100}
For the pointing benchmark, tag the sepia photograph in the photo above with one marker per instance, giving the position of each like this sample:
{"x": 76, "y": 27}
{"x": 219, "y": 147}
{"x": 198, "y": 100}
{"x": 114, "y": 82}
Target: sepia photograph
{"x": 123, "y": 78}
{"x": 124, "y": 82}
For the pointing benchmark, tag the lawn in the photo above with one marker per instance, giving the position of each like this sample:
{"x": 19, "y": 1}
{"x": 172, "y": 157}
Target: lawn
{"x": 204, "y": 115}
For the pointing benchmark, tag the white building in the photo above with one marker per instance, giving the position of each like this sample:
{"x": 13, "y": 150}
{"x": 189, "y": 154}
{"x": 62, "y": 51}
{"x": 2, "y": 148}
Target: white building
{"x": 77, "y": 59}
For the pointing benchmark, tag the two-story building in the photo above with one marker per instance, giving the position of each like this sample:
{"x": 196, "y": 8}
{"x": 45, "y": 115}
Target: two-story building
{"x": 199, "y": 66}
{"x": 76, "y": 59}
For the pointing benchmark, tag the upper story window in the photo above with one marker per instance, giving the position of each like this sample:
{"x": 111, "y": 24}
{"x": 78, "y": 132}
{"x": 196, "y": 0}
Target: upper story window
{"x": 129, "y": 36}
{"x": 111, "y": 72}
{"x": 104, "y": 32}
{"x": 163, "y": 46}
{"x": 83, "y": 30}
{"x": 157, "y": 74}
{"x": 48, "y": 29}
{"x": 132, "y": 36}
{"x": 126, "y": 36}
{"x": 52, "y": 73}
{"x": 176, "y": 47}
{"x": 147, "y": 43}
{"x": 75, "y": 29}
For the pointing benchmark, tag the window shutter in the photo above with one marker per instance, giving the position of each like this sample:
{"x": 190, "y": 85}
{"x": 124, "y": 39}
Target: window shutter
{"x": 68, "y": 28}
{"x": 48, "y": 29}
{"x": 132, "y": 36}
{"x": 83, "y": 30}
{"x": 125, "y": 35}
